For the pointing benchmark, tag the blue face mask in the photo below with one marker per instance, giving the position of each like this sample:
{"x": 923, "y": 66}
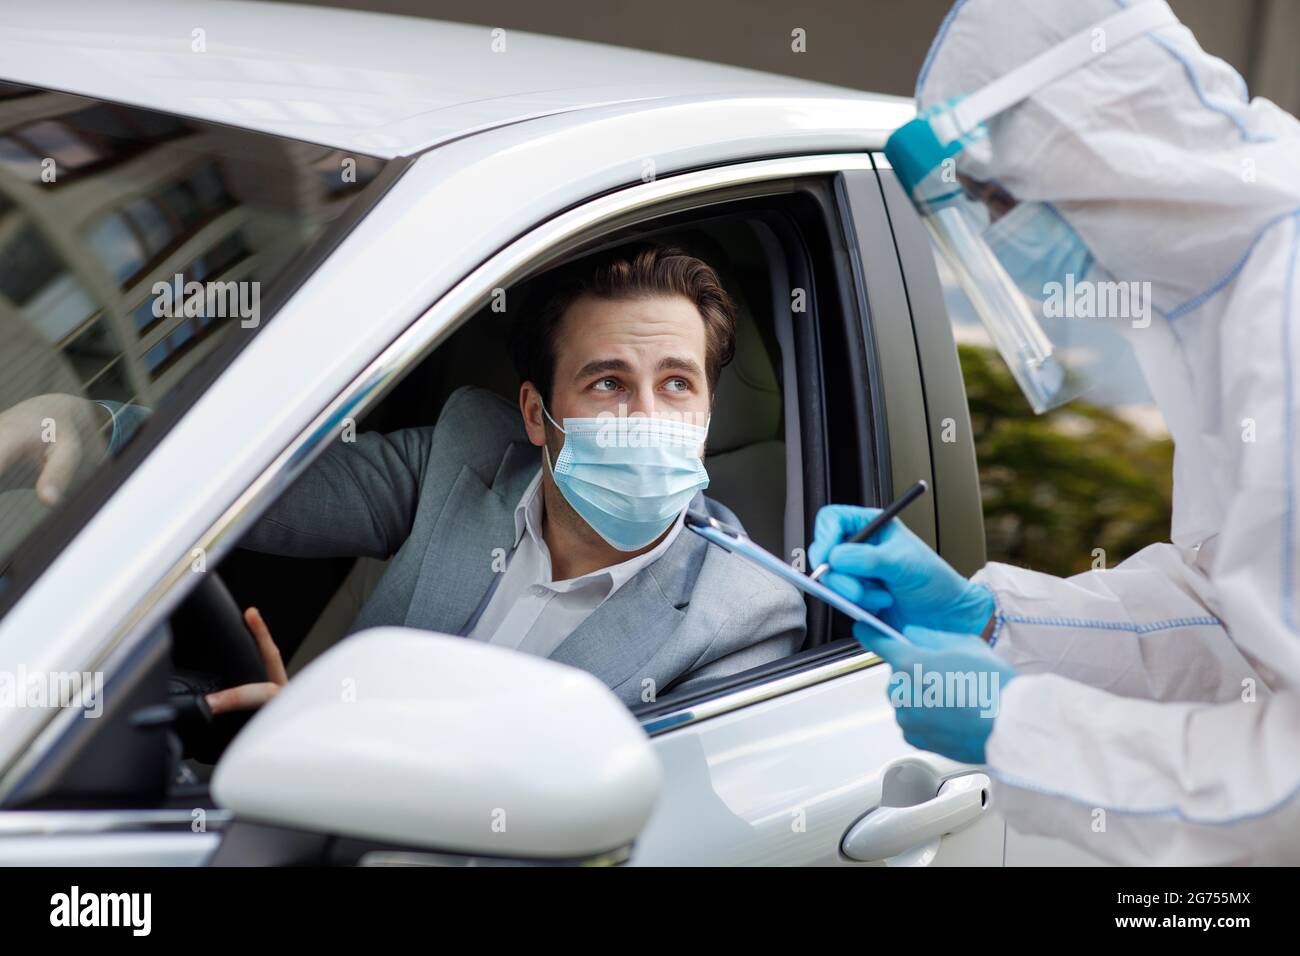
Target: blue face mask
{"x": 629, "y": 478}
{"x": 1037, "y": 246}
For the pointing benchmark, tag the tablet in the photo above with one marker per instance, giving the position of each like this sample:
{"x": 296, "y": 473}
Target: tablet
{"x": 736, "y": 541}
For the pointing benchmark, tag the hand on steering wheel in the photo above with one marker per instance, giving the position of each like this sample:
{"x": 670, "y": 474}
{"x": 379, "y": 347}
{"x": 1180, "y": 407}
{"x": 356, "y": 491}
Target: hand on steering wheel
{"x": 253, "y": 696}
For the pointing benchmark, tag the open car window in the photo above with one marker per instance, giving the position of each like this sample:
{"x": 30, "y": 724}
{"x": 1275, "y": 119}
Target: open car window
{"x": 765, "y": 458}
{"x": 133, "y": 244}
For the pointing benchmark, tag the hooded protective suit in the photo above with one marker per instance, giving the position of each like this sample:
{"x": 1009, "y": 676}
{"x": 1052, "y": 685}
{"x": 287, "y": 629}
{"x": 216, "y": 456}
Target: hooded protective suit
{"x": 1156, "y": 718}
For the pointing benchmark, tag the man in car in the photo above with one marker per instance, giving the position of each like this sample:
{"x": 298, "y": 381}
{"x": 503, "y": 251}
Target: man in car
{"x": 554, "y": 527}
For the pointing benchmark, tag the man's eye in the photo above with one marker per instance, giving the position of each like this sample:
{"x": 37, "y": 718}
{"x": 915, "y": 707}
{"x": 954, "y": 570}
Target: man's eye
{"x": 678, "y": 385}
{"x": 605, "y": 385}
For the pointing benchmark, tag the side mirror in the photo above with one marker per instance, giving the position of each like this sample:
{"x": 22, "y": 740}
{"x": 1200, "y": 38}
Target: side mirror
{"x": 426, "y": 742}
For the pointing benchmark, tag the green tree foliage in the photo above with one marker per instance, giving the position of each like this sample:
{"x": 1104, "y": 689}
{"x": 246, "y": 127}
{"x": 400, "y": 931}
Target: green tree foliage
{"x": 1058, "y": 486}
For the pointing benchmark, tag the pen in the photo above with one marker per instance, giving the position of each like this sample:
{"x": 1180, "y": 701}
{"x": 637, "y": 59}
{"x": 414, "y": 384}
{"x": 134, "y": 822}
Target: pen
{"x": 878, "y": 522}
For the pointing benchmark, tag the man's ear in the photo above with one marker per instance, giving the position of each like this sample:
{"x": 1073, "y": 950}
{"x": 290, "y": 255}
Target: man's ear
{"x": 530, "y": 407}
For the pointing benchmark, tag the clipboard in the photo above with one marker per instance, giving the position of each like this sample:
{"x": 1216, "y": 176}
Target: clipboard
{"x": 736, "y": 541}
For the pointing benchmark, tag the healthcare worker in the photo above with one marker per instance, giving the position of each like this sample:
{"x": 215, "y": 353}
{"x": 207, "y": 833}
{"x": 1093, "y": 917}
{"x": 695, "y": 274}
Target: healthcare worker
{"x": 1149, "y": 713}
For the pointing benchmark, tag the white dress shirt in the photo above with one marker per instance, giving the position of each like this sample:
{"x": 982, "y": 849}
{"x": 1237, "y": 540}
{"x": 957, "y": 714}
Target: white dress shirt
{"x": 532, "y": 613}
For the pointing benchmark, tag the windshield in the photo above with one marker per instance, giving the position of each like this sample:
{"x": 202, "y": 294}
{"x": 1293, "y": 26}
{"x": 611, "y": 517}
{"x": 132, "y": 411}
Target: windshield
{"x": 133, "y": 246}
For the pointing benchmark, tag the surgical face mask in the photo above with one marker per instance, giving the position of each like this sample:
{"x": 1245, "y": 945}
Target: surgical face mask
{"x": 629, "y": 477}
{"x": 1038, "y": 248}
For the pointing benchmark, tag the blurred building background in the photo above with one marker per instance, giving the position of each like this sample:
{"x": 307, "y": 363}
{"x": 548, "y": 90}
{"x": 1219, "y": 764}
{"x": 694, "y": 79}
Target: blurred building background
{"x": 875, "y": 45}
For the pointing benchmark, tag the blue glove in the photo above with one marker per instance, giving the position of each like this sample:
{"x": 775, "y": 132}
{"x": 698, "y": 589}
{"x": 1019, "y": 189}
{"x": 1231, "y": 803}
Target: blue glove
{"x": 965, "y": 668}
{"x": 896, "y": 575}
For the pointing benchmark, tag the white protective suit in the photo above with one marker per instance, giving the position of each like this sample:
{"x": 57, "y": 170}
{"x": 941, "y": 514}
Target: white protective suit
{"x": 1156, "y": 718}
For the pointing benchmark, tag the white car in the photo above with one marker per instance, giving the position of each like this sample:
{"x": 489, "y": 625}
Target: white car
{"x": 369, "y": 187}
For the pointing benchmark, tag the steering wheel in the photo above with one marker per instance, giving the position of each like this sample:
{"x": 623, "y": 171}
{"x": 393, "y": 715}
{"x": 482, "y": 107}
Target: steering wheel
{"x": 211, "y": 649}
{"x": 209, "y": 636}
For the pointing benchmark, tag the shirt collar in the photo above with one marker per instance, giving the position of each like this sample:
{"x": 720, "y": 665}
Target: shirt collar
{"x": 528, "y": 519}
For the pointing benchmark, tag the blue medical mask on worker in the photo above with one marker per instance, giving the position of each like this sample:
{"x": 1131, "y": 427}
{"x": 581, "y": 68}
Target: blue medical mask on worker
{"x": 1038, "y": 248}
{"x": 1018, "y": 260}
{"x": 629, "y": 477}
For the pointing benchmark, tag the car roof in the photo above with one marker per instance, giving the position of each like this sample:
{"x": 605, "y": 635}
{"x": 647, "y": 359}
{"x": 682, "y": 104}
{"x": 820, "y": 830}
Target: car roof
{"x": 374, "y": 83}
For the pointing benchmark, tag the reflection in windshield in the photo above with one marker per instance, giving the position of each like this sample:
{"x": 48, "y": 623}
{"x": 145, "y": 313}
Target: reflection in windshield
{"x": 132, "y": 243}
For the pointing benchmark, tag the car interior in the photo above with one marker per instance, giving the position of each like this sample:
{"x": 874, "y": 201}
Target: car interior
{"x": 754, "y": 457}
{"x": 746, "y": 456}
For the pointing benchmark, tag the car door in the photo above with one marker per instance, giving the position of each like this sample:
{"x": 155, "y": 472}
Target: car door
{"x": 781, "y": 764}
{"x": 776, "y": 766}
{"x": 806, "y": 764}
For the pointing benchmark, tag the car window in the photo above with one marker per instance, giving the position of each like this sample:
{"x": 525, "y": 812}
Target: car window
{"x": 313, "y": 605}
{"x": 448, "y": 422}
{"x": 132, "y": 245}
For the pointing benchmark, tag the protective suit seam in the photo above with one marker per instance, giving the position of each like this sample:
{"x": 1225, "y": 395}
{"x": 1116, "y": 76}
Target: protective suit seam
{"x": 1198, "y": 300}
{"x": 1288, "y": 477}
{"x": 1171, "y": 811}
{"x": 1114, "y": 625}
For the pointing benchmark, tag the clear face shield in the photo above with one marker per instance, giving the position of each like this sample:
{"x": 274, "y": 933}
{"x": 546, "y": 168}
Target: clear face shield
{"x": 1027, "y": 274}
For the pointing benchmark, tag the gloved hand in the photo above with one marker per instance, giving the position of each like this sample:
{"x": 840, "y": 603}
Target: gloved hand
{"x": 964, "y": 667}
{"x": 896, "y": 574}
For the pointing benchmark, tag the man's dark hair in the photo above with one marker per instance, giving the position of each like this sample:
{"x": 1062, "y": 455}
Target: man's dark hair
{"x": 640, "y": 271}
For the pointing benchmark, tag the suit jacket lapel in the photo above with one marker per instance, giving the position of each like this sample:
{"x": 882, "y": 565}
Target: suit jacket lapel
{"x": 457, "y": 569}
{"x": 641, "y": 616}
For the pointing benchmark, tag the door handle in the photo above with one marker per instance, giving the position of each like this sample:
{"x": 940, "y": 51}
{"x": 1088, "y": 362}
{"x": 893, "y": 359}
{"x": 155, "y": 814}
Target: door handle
{"x": 889, "y": 831}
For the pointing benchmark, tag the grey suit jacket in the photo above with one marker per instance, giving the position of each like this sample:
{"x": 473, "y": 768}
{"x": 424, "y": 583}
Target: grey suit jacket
{"x": 440, "y": 501}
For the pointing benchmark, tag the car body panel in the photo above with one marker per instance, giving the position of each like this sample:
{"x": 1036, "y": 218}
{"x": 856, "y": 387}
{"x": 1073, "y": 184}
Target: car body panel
{"x": 383, "y": 85}
{"x": 782, "y": 781}
{"x": 956, "y": 489}
{"x": 185, "y": 837}
{"x": 109, "y": 849}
